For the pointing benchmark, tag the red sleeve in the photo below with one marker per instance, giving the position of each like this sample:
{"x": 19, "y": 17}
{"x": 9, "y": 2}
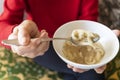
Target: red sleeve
{"x": 88, "y": 10}
{"x": 12, "y": 15}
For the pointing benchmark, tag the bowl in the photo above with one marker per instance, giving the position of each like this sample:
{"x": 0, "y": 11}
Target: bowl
{"x": 108, "y": 40}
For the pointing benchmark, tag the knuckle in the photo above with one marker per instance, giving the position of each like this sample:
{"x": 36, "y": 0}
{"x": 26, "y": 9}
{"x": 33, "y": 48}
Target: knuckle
{"x": 32, "y": 47}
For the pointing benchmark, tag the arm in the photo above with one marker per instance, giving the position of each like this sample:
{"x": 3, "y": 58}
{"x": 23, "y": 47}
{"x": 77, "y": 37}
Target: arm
{"x": 12, "y": 15}
{"x": 88, "y": 10}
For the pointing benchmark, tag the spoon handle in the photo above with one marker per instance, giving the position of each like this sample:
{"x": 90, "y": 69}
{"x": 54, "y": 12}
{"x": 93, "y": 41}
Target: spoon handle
{"x": 50, "y": 39}
{"x": 11, "y": 42}
{"x": 15, "y": 41}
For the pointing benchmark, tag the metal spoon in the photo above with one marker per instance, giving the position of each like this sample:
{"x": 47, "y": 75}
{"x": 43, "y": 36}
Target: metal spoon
{"x": 15, "y": 41}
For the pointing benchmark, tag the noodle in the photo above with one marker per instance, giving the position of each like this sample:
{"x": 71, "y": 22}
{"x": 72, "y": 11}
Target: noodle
{"x": 83, "y": 54}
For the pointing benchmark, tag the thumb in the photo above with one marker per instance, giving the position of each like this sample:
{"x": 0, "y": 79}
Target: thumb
{"x": 101, "y": 69}
{"x": 23, "y": 36}
{"x": 117, "y": 32}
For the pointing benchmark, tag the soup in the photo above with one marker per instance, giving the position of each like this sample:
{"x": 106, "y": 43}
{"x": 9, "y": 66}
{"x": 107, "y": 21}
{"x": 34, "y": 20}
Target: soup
{"x": 89, "y": 54}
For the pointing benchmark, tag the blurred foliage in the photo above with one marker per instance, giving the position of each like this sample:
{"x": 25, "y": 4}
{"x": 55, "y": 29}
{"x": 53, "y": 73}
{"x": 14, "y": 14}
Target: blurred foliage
{"x": 14, "y": 67}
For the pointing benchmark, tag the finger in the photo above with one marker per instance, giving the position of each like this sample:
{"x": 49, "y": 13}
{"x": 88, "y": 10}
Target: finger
{"x": 31, "y": 27}
{"x": 16, "y": 50}
{"x": 39, "y": 46}
{"x": 38, "y": 49}
{"x": 15, "y": 30}
{"x": 78, "y": 70}
{"x": 43, "y": 35}
{"x": 30, "y": 50}
{"x": 28, "y": 55}
{"x": 12, "y": 36}
{"x": 42, "y": 48}
{"x": 23, "y": 55}
{"x": 32, "y": 55}
{"x": 43, "y": 45}
{"x": 69, "y": 66}
{"x": 100, "y": 69}
{"x": 117, "y": 32}
{"x": 43, "y": 31}
{"x": 13, "y": 49}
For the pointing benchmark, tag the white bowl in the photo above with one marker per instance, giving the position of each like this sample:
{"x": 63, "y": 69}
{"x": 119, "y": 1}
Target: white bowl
{"x": 108, "y": 40}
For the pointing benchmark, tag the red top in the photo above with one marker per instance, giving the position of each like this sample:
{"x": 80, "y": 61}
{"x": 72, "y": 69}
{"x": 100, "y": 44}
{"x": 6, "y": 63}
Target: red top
{"x": 48, "y": 14}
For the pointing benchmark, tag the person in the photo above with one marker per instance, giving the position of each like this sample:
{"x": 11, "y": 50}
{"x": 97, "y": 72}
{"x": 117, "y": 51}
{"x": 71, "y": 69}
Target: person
{"x": 41, "y": 20}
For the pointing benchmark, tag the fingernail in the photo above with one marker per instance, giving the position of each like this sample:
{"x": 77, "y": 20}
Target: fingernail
{"x": 43, "y": 30}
